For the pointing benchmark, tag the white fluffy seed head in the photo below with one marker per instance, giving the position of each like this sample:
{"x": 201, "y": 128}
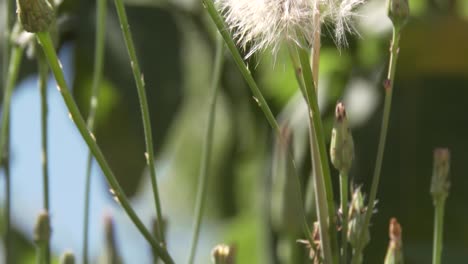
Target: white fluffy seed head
{"x": 260, "y": 24}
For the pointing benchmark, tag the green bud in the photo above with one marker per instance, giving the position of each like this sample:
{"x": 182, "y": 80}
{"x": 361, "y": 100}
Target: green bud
{"x": 356, "y": 219}
{"x": 67, "y": 258}
{"x": 342, "y": 145}
{"x": 42, "y": 229}
{"x": 35, "y": 15}
{"x": 440, "y": 185}
{"x": 394, "y": 252}
{"x": 398, "y": 12}
{"x": 111, "y": 253}
{"x": 223, "y": 254}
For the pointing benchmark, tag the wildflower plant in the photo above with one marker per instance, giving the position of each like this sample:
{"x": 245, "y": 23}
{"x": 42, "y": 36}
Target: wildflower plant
{"x": 249, "y": 26}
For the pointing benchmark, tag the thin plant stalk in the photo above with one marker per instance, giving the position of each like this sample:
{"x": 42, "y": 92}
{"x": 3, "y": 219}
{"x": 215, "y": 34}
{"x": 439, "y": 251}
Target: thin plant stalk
{"x": 207, "y": 150}
{"x": 344, "y": 212}
{"x": 101, "y": 11}
{"x": 262, "y": 103}
{"x": 388, "y": 85}
{"x": 54, "y": 63}
{"x": 41, "y": 254}
{"x": 322, "y": 179}
{"x": 9, "y": 4}
{"x": 43, "y": 76}
{"x": 438, "y": 231}
{"x": 140, "y": 84}
{"x": 12, "y": 75}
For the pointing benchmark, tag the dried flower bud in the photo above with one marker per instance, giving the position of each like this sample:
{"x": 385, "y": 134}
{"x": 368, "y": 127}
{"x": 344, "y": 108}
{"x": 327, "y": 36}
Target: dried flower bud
{"x": 223, "y": 254}
{"x": 398, "y": 12}
{"x": 356, "y": 220}
{"x": 342, "y": 145}
{"x": 440, "y": 185}
{"x": 67, "y": 258}
{"x": 394, "y": 251}
{"x": 35, "y": 15}
{"x": 42, "y": 229}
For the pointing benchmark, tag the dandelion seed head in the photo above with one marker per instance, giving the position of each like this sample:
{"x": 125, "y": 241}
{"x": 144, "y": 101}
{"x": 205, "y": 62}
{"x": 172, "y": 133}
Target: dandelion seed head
{"x": 261, "y": 24}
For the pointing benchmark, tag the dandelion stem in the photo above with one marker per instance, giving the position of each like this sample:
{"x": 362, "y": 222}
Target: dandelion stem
{"x": 438, "y": 231}
{"x": 323, "y": 187}
{"x": 101, "y": 13}
{"x": 4, "y": 159}
{"x": 49, "y": 51}
{"x": 207, "y": 149}
{"x": 262, "y": 103}
{"x": 43, "y": 75}
{"x": 344, "y": 213}
{"x": 125, "y": 27}
{"x": 41, "y": 254}
{"x": 13, "y": 69}
{"x": 388, "y": 85}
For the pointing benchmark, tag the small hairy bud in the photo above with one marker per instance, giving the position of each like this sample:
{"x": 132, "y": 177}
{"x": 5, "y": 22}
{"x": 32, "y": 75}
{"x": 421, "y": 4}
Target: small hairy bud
{"x": 67, "y": 258}
{"x": 223, "y": 254}
{"x": 398, "y": 12}
{"x": 35, "y": 15}
{"x": 440, "y": 184}
{"x": 42, "y": 229}
{"x": 342, "y": 145}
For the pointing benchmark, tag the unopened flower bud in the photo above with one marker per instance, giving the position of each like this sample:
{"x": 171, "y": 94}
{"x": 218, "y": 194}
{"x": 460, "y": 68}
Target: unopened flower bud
{"x": 67, "y": 258}
{"x": 394, "y": 251}
{"x": 42, "y": 229}
{"x": 398, "y": 12}
{"x": 342, "y": 145}
{"x": 223, "y": 254}
{"x": 35, "y": 15}
{"x": 440, "y": 185}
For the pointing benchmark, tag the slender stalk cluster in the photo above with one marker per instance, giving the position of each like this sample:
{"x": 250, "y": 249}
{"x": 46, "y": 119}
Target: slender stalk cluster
{"x": 259, "y": 24}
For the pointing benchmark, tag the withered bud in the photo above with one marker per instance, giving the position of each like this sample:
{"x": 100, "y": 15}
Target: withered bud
{"x": 394, "y": 252}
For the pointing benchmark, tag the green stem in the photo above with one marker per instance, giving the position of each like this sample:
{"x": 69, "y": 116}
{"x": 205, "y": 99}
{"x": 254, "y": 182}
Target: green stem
{"x": 262, "y": 103}
{"x": 438, "y": 231}
{"x": 324, "y": 197}
{"x": 41, "y": 254}
{"x": 383, "y": 136}
{"x": 207, "y": 149}
{"x": 9, "y": 4}
{"x": 101, "y": 11}
{"x": 125, "y": 27}
{"x": 43, "y": 75}
{"x": 54, "y": 63}
{"x": 13, "y": 69}
{"x": 344, "y": 213}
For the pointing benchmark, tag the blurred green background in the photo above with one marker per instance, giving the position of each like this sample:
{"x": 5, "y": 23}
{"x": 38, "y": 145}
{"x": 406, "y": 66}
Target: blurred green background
{"x": 174, "y": 41}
